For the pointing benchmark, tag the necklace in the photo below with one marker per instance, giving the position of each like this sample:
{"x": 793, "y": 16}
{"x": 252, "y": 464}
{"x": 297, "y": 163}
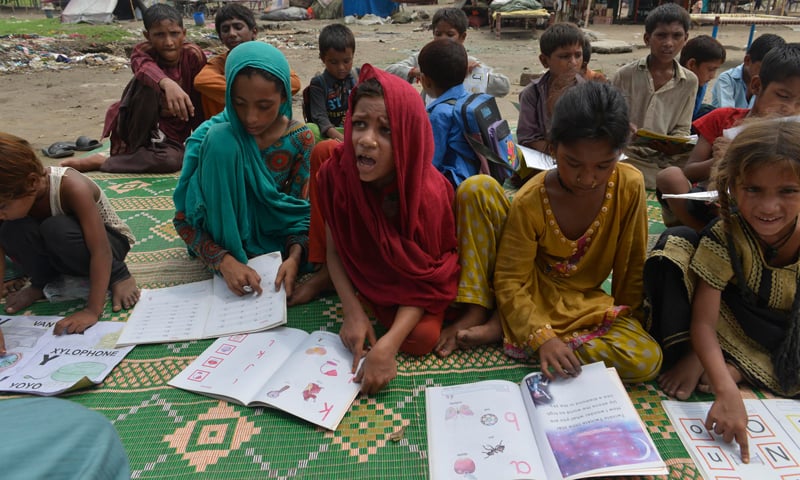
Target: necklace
{"x": 771, "y": 249}
{"x": 561, "y": 182}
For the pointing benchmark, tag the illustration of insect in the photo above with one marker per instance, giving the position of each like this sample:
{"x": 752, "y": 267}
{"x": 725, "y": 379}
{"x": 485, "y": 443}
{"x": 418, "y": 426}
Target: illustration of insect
{"x": 490, "y": 450}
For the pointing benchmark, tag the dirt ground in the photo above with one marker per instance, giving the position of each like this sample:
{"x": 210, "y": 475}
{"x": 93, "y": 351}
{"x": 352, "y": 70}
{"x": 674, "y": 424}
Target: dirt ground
{"x": 46, "y": 106}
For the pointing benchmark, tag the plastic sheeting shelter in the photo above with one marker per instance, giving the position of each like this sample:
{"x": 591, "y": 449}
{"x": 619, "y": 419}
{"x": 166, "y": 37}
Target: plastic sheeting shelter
{"x": 97, "y": 11}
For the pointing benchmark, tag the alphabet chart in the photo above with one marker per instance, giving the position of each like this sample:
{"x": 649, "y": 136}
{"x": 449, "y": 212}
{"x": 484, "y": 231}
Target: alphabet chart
{"x": 773, "y": 429}
{"x": 207, "y": 309}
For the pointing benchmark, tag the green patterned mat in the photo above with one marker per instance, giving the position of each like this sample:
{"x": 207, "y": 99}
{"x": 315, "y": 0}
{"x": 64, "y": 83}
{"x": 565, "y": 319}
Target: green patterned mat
{"x": 172, "y": 434}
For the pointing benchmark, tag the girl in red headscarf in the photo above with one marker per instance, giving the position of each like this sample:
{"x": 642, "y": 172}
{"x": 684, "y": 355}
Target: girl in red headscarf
{"x": 390, "y": 227}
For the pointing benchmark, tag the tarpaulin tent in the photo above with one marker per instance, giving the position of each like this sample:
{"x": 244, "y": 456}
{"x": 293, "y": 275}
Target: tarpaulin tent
{"x": 99, "y": 11}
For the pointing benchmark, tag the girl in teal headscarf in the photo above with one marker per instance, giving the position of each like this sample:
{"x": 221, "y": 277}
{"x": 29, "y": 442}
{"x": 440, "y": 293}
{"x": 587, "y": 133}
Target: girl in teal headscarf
{"x": 243, "y": 189}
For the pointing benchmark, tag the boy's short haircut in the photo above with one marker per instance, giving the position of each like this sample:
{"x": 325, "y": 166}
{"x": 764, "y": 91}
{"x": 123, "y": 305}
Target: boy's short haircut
{"x": 159, "y": 12}
{"x": 455, "y": 17}
{"x": 587, "y": 49}
{"x": 560, "y": 35}
{"x": 703, "y": 48}
{"x": 444, "y": 62}
{"x": 666, "y": 14}
{"x": 763, "y": 44}
{"x": 338, "y": 37}
{"x": 231, "y": 11}
{"x": 780, "y": 64}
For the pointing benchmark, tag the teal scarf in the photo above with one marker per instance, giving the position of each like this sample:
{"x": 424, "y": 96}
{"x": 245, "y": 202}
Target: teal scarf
{"x": 226, "y": 189}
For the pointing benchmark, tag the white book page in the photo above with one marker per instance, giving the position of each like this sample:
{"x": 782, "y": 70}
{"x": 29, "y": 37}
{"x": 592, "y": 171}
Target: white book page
{"x": 590, "y": 425}
{"x": 168, "y": 314}
{"x": 707, "y": 196}
{"x": 233, "y": 314}
{"x": 237, "y": 366}
{"x": 315, "y": 383}
{"x": 787, "y": 413}
{"x": 480, "y": 431}
{"x": 40, "y": 363}
{"x": 535, "y": 159}
{"x": 773, "y": 455}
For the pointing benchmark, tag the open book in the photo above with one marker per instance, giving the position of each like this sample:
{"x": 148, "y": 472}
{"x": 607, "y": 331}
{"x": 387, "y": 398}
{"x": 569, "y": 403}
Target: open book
{"x": 657, "y": 141}
{"x": 40, "y": 363}
{"x": 207, "y": 309}
{"x": 569, "y": 428}
{"x": 307, "y": 375}
{"x": 773, "y": 435}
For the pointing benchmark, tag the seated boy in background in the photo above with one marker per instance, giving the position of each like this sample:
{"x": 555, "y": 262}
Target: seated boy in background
{"x": 660, "y": 92}
{"x": 731, "y": 88}
{"x": 235, "y": 24}
{"x": 586, "y": 72}
{"x": 442, "y": 65}
{"x": 159, "y": 107}
{"x": 703, "y": 55}
{"x": 451, "y": 23}
{"x": 777, "y": 93}
{"x": 561, "y": 47}
{"x": 329, "y": 91}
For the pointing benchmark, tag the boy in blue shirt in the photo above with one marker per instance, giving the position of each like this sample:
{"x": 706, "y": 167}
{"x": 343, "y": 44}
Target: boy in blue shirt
{"x": 732, "y": 87}
{"x": 329, "y": 91}
{"x": 443, "y": 64}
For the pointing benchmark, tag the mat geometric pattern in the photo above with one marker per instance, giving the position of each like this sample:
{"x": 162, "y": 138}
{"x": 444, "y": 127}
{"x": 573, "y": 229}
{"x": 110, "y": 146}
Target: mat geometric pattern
{"x": 172, "y": 434}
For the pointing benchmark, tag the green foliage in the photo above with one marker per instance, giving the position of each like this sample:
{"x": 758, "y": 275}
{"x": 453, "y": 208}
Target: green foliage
{"x": 52, "y": 27}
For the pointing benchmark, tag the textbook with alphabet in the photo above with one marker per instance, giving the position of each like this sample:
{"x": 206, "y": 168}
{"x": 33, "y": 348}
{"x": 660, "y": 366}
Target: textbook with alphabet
{"x": 773, "y": 436}
{"x": 207, "y": 309}
{"x": 305, "y": 374}
{"x": 41, "y": 363}
{"x": 573, "y": 428}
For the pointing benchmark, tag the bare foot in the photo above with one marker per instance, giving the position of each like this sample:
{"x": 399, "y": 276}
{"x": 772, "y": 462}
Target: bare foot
{"x": 681, "y": 380}
{"x": 124, "y": 294}
{"x": 319, "y": 284}
{"x": 85, "y": 164}
{"x": 20, "y": 299}
{"x": 15, "y": 284}
{"x": 704, "y": 385}
{"x": 473, "y": 315}
{"x": 487, "y": 333}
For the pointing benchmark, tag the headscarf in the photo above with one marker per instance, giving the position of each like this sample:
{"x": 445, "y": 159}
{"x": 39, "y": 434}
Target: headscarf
{"x": 242, "y": 208}
{"x": 415, "y": 263}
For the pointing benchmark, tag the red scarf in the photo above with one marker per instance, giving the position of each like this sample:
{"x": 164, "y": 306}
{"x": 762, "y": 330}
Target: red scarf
{"x": 411, "y": 261}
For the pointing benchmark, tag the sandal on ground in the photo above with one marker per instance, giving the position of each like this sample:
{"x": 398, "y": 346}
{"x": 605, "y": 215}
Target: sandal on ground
{"x": 85, "y": 144}
{"x": 59, "y": 150}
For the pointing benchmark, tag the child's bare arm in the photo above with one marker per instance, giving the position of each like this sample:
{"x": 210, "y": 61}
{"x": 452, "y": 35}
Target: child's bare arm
{"x": 380, "y": 365}
{"x": 356, "y": 327}
{"x": 78, "y": 194}
{"x": 698, "y": 167}
{"x": 727, "y": 416}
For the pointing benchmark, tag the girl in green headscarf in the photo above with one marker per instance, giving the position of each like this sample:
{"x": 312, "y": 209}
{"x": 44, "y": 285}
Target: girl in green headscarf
{"x": 243, "y": 189}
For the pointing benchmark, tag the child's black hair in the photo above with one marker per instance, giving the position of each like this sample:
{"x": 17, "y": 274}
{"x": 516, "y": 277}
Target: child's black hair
{"x": 444, "y": 62}
{"x": 665, "y": 14}
{"x": 338, "y": 37}
{"x": 250, "y": 71}
{"x": 587, "y": 50}
{"x": 368, "y": 88}
{"x": 158, "y": 12}
{"x": 590, "y": 110}
{"x": 231, "y": 11}
{"x": 455, "y": 17}
{"x": 560, "y": 35}
{"x": 763, "y": 44}
{"x": 703, "y": 48}
{"x": 780, "y": 64}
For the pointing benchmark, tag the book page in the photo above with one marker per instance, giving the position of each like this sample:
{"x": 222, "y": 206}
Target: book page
{"x": 535, "y": 159}
{"x": 236, "y": 367}
{"x": 480, "y": 431}
{"x": 315, "y": 383}
{"x": 590, "y": 425}
{"x": 787, "y": 413}
{"x": 40, "y": 363}
{"x": 233, "y": 314}
{"x": 707, "y": 196}
{"x": 773, "y": 455}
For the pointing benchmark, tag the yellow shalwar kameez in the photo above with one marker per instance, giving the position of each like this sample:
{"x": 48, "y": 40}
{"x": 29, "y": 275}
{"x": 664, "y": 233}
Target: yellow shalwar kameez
{"x": 550, "y": 286}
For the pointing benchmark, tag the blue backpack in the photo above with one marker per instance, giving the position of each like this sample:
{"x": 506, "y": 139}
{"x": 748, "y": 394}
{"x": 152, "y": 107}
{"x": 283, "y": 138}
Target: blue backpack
{"x": 488, "y": 134}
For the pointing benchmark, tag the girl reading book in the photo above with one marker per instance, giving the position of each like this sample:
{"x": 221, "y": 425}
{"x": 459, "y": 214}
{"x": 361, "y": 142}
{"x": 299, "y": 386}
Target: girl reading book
{"x": 390, "y": 227}
{"x": 566, "y": 231}
{"x": 244, "y": 185}
{"x": 740, "y": 281}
